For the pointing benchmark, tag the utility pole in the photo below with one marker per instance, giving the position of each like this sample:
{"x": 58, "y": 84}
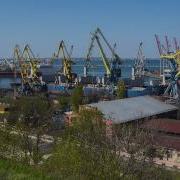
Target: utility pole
{"x": 15, "y": 78}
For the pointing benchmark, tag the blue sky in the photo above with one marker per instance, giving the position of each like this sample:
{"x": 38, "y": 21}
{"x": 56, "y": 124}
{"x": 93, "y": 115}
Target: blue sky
{"x": 43, "y": 23}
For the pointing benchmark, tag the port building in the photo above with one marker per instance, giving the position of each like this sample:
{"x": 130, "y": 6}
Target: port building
{"x": 134, "y": 109}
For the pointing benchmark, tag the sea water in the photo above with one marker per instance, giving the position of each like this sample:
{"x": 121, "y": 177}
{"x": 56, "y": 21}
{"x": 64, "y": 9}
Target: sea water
{"x": 97, "y": 69}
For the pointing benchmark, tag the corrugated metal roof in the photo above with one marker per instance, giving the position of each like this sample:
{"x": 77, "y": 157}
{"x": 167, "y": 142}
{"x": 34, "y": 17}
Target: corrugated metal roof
{"x": 130, "y": 109}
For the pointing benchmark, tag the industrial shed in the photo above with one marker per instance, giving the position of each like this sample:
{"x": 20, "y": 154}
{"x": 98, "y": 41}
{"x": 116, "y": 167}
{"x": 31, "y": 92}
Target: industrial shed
{"x": 170, "y": 126}
{"x": 131, "y": 109}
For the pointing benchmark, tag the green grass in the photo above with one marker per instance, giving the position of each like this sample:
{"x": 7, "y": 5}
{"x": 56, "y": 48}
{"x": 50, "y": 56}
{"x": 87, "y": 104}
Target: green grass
{"x": 176, "y": 175}
{"x": 10, "y": 170}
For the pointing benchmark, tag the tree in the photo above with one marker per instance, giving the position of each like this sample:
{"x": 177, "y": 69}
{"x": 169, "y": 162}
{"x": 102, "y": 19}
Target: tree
{"x": 121, "y": 90}
{"x": 77, "y": 98}
{"x": 84, "y": 152}
{"x": 64, "y": 103}
{"x": 30, "y": 116}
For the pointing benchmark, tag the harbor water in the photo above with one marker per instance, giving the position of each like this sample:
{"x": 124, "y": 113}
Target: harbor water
{"x": 97, "y": 69}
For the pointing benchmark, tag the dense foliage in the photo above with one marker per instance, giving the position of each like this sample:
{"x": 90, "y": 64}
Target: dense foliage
{"x": 81, "y": 151}
{"x": 29, "y": 118}
{"x": 77, "y": 98}
{"x": 84, "y": 152}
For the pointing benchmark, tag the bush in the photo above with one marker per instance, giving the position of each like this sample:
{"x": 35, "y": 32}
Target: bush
{"x": 77, "y": 98}
{"x": 121, "y": 90}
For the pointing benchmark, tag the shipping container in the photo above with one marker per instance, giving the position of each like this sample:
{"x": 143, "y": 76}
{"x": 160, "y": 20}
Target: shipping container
{"x": 137, "y": 91}
{"x": 57, "y": 88}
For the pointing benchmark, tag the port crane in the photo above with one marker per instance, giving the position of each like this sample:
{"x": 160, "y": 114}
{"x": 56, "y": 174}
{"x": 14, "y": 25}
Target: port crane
{"x": 66, "y": 61}
{"x": 20, "y": 63}
{"x": 31, "y": 64}
{"x": 112, "y": 66}
{"x": 139, "y": 65}
{"x": 173, "y": 89}
{"x": 174, "y": 85}
{"x": 29, "y": 69}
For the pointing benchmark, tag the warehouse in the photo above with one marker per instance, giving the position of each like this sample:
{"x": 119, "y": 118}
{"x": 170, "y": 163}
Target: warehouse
{"x": 134, "y": 109}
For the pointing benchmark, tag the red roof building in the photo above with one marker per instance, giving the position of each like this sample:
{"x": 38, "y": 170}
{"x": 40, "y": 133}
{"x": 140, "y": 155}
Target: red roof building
{"x": 166, "y": 132}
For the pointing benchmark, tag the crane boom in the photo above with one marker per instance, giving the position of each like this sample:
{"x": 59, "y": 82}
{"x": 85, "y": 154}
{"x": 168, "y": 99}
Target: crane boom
{"x": 17, "y": 55}
{"x": 105, "y": 60}
{"x": 168, "y": 46}
{"x": 158, "y": 44}
{"x": 173, "y": 56}
{"x": 176, "y": 44}
{"x": 100, "y": 32}
{"x": 28, "y": 54}
{"x": 110, "y": 47}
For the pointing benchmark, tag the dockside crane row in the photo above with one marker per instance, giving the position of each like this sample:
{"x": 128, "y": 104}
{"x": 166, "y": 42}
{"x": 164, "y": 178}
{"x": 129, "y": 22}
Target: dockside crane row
{"x": 112, "y": 66}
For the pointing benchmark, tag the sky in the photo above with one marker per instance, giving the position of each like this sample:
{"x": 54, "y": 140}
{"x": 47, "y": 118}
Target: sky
{"x": 44, "y": 23}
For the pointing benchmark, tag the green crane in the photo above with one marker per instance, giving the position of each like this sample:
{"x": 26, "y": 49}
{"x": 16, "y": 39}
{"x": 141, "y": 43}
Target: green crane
{"x": 112, "y": 67}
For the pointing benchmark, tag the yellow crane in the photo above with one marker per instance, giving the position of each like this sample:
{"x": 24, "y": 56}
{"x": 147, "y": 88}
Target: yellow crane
{"x": 173, "y": 88}
{"x": 30, "y": 65}
{"x": 173, "y": 57}
{"x": 166, "y": 53}
{"x": 19, "y": 62}
{"x": 66, "y": 61}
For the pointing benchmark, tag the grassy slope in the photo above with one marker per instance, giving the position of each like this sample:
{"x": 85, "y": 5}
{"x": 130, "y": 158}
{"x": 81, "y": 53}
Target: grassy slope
{"x": 12, "y": 170}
